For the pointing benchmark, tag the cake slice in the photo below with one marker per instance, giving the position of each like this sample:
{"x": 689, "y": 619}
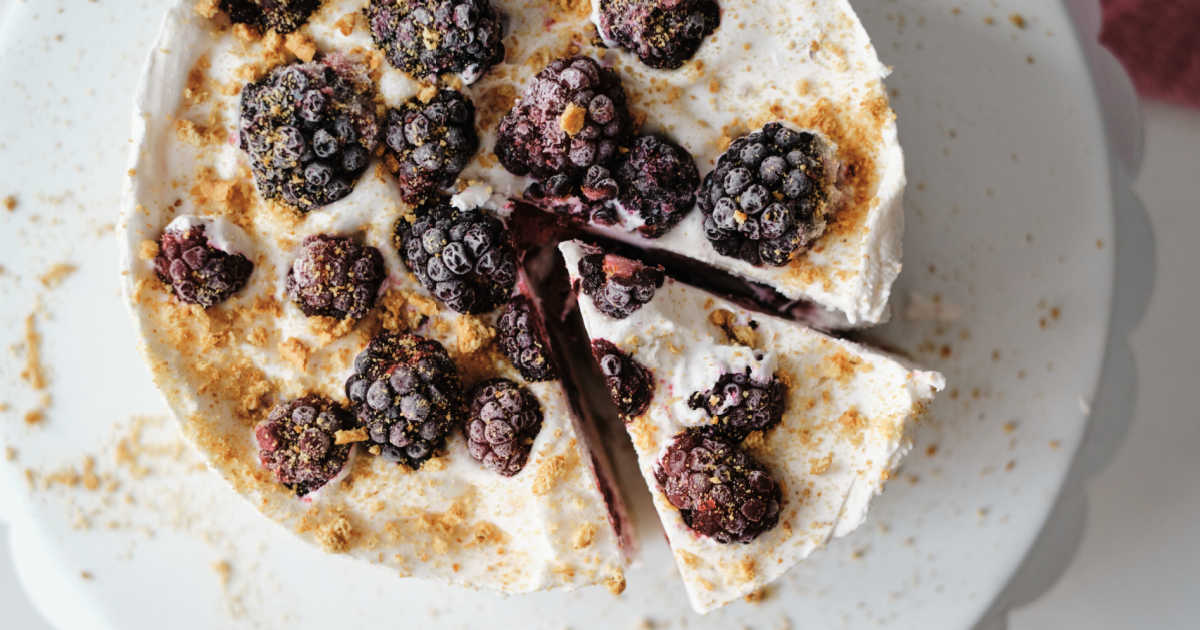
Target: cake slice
{"x": 761, "y": 440}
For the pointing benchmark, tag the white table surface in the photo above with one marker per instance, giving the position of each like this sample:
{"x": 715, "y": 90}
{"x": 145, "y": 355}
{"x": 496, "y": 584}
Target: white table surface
{"x": 1119, "y": 551}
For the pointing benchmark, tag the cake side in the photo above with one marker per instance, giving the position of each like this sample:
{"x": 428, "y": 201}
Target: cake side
{"x": 843, "y": 429}
{"x": 223, "y": 368}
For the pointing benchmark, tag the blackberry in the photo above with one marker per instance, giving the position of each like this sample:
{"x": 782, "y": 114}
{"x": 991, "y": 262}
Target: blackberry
{"x": 464, "y": 257}
{"x": 618, "y": 286}
{"x": 309, "y": 130}
{"x": 298, "y": 442}
{"x": 284, "y": 16}
{"x": 523, "y": 339}
{"x": 664, "y": 34}
{"x": 429, "y": 143}
{"x": 334, "y": 276}
{"x": 657, "y": 181}
{"x": 741, "y": 405}
{"x": 406, "y": 392}
{"x": 197, "y": 272}
{"x": 505, "y": 420}
{"x": 719, "y": 489}
{"x": 572, "y": 116}
{"x": 765, "y": 201}
{"x": 630, "y": 385}
{"x": 426, "y": 38}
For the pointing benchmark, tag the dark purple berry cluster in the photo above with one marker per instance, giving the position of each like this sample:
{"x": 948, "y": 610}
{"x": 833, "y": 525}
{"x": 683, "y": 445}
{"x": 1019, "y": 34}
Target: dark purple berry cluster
{"x": 309, "y": 130}
{"x": 657, "y": 181}
{"x": 764, "y": 202}
{"x": 618, "y": 286}
{"x": 426, "y": 38}
{"x": 464, "y": 257}
{"x": 282, "y": 16}
{"x": 335, "y": 276}
{"x": 720, "y": 490}
{"x": 740, "y": 404}
{"x": 664, "y": 34}
{"x": 571, "y": 117}
{"x": 406, "y": 392}
{"x": 504, "y": 422}
{"x": 521, "y": 335}
{"x": 197, "y": 272}
{"x": 429, "y": 142}
{"x": 630, "y": 384}
{"x": 298, "y": 442}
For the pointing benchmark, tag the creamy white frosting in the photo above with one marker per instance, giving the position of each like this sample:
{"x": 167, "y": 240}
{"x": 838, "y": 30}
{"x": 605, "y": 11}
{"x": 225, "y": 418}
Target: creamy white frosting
{"x": 845, "y": 401}
{"x": 221, "y": 233}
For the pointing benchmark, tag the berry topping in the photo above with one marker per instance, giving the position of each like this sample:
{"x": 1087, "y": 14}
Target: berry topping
{"x": 742, "y": 405}
{"x": 630, "y": 384}
{"x": 429, "y": 143}
{"x": 657, "y": 181}
{"x": 464, "y": 257}
{"x": 572, "y": 117}
{"x": 765, "y": 201}
{"x": 284, "y": 16}
{"x": 662, "y": 33}
{"x": 426, "y": 38}
{"x": 309, "y": 130}
{"x": 407, "y": 394}
{"x": 298, "y": 442}
{"x": 197, "y": 272}
{"x": 523, "y": 339}
{"x": 618, "y": 286}
{"x": 505, "y": 420}
{"x": 720, "y": 490}
{"x": 334, "y": 276}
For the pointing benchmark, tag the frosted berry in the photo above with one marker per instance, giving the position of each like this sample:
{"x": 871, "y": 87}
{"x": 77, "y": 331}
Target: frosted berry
{"x": 618, "y": 286}
{"x": 426, "y": 38}
{"x": 741, "y": 404}
{"x": 630, "y": 385}
{"x": 196, "y": 271}
{"x": 429, "y": 143}
{"x": 504, "y": 422}
{"x": 522, "y": 338}
{"x": 298, "y": 442}
{"x": 335, "y": 276}
{"x": 664, "y": 34}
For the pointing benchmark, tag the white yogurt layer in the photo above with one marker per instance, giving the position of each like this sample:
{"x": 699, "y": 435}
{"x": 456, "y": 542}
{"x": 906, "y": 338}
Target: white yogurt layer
{"x": 843, "y": 432}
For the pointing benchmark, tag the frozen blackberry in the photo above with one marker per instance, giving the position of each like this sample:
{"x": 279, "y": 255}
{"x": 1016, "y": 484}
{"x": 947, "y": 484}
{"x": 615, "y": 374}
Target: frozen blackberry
{"x": 618, "y": 286}
{"x": 505, "y": 420}
{"x": 283, "y": 16}
{"x": 630, "y": 385}
{"x": 335, "y": 276}
{"x": 765, "y": 201}
{"x": 571, "y": 117}
{"x": 741, "y": 404}
{"x": 719, "y": 489}
{"x": 298, "y": 442}
{"x": 309, "y": 130}
{"x": 429, "y": 142}
{"x": 426, "y": 38}
{"x": 664, "y": 34}
{"x": 407, "y": 394}
{"x": 464, "y": 257}
{"x": 197, "y": 272}
{"x": 523, "y": 339}
{"x": 657, "y": 180}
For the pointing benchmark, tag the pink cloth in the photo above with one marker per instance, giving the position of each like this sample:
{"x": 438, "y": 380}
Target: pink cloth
{"x": 1158, "y": 41}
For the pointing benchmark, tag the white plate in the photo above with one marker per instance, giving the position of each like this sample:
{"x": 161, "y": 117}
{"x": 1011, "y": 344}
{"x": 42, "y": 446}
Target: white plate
{"x": 1010, "y": 218}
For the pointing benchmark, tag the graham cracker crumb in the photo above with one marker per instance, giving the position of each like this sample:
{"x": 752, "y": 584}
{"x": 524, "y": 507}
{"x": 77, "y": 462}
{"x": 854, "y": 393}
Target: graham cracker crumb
{"x": 10, "y": 203}
{"x": 689, "y": 559}
{"x": 335, "y": 535}
{"x": 87, "y": 575}
{"x": 427, "y": 93}
{"x": 615, "y": 583}
{"x": 56, "y": 274}
{"x": 820, "y": 465}
{"x": 300, "y": 45}
{"x": 33, "y": 372}
{"x": 147, "y": 250}
{"x": 743, "y": 333}
{"x": 757, "y": 596}
{"x": 584, "y": 536}
{"x": 294, "y": 351}
{"x": 548, "y": 474}
{"x": 350, "y": 437}
{"x": 1017, "y": 20}
{"x": 207, "y": 8}
{"x": 345, "y": 24}
{"x": 10, "y": 454}
{"x": 223, "y": 571}
{"x": 35, "y": 417}
{"x": 572, "y": 119}
{"x": 472, "y": 334}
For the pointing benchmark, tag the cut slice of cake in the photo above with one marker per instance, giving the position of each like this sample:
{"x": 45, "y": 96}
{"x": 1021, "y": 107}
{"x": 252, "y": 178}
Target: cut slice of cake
{"x": 760, "y": 439}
